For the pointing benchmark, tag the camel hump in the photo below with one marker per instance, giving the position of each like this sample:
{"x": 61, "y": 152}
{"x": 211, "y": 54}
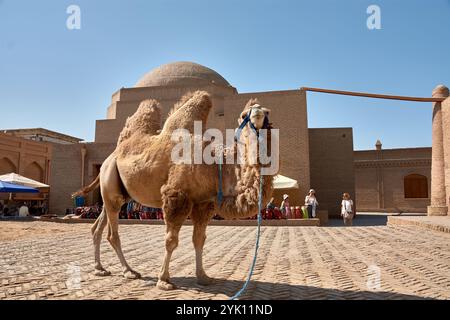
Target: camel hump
{"x": 191, "y": 107}
{"x": 146, "y": 120}
{"x": 197, "y": 97}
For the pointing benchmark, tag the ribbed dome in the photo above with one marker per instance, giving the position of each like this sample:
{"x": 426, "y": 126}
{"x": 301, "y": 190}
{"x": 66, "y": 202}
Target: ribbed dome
{"x": 181, "y": 74}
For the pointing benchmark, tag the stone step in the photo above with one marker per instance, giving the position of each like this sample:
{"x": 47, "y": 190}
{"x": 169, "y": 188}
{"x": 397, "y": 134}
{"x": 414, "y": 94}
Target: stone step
{"x": 314, "y": 222}
{"x": 437, "y": 223}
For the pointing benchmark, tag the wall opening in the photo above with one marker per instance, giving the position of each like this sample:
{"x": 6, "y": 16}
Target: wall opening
{"x": 415, "y": 186}
{"x": 96, "y": 195}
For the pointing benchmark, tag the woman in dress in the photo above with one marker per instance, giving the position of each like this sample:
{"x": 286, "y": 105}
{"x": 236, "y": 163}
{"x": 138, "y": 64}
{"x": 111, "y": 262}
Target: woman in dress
{"x": 311, "y": 203}
{"x": 347, "y": 211}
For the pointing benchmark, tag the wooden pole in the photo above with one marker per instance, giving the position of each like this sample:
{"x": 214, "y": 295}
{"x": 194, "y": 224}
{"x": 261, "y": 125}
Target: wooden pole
{"x": 373, "y": 95}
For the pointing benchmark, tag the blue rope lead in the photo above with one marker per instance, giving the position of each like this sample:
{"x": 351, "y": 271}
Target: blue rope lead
{"x": 258, "y": 233}
{"x": 220, "y": 192}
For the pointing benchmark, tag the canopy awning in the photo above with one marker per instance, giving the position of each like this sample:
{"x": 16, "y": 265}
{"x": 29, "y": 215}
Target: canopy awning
{"x": 23, "y": 181}
{"x": 7, "y": 187}
{"x": 282, "y": 182}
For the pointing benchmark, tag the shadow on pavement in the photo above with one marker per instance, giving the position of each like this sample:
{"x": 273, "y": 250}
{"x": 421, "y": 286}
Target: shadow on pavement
{"x": 279, "y": 291}
{"x": 361, "y": 220}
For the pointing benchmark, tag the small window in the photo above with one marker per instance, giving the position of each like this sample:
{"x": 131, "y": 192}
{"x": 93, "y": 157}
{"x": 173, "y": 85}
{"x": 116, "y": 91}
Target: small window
{"x": 416, "y": 186}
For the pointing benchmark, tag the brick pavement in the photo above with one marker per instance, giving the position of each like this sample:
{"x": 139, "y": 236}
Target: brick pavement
{"x": 293, "y": 263}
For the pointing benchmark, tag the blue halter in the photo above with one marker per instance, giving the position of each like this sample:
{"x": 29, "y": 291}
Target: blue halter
{"x": 243, "y": 124}
{"x": 236, "y": 137}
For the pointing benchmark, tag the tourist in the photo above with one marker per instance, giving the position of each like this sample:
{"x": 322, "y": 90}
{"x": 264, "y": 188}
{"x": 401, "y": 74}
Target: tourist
{"x": 23, "y": 210}
{"x": 311, "y": 203}
{"x": 271, "y": 204}
{"x": 347, "y": 211}
{"x": 285, "y": 208}
{"x": 44, "y": 208}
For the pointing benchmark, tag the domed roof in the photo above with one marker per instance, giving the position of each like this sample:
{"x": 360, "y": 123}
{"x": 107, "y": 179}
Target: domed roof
{"x": 181, "y": 74}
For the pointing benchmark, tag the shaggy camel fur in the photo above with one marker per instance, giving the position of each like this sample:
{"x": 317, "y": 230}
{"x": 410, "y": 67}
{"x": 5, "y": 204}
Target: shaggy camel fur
{"x": 141, "y": 168}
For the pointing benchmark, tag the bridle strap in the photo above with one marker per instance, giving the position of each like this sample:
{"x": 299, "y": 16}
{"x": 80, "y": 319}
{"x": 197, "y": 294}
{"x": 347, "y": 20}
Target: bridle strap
{"x": 236, "y": 137}
{"x": 243, "y": 124}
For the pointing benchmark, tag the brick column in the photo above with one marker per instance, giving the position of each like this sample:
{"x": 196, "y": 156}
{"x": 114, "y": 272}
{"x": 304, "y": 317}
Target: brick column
{"x": 438, "y": 205}
{"x": 380, "y": 180}
{"x": 446, "y": 141}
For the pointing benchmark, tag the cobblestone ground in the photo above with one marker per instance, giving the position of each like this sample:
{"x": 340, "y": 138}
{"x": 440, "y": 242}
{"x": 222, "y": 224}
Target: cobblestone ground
{"x": 293, "y": 263}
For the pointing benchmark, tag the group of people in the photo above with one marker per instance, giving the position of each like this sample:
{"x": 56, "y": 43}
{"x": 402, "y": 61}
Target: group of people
{"x": 311, "y": 204}
{"x": 22, "y": 209}
{"x": 130, "y": 210}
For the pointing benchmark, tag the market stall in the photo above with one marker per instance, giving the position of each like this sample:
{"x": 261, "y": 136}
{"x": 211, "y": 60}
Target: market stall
{"x": 37, "y": 200}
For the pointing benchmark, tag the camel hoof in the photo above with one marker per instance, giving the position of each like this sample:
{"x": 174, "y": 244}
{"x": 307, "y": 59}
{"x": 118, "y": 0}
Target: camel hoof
{"x": 165, "y": 285}
{"x": 204, "y": 280}
{"x": 131, "y": 274}
{"x": 102, "y": 273}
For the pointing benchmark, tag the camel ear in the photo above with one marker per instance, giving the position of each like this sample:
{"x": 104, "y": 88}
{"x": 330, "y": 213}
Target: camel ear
{"x": 266, "y": 111}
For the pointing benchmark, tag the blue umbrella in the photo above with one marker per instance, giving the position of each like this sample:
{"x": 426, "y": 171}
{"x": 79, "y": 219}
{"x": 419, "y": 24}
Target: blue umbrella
{"x": 15, "y": 188}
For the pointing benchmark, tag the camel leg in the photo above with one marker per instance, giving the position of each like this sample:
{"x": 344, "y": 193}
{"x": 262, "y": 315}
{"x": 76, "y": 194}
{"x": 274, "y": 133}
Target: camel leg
{"x": 198, "y": 238}
{"x": 171, "y": 243}
{"x": 110, "y": 186}
{"x": 200, "y": 217}
{"x": 176, "y": 208}
{"x": 97, "y": 230}
{"x": 114, "y": 240}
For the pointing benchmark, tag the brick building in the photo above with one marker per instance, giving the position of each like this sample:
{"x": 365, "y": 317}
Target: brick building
{"x": 393, "y": 180}
{"x": 28, "y": 158}
{"x": 317, "y": 158}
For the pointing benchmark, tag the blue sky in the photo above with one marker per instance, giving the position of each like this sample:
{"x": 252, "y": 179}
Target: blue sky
{"x": 63, "y": 80}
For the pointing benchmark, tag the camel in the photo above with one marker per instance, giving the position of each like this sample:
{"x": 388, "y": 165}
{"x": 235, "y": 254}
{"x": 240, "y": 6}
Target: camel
{"x": 140, "y": 168}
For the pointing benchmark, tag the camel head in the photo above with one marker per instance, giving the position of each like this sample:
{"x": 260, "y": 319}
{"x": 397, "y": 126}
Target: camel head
{"x": 253, "y": 119}
{"x": 259, "y": 115}
{"x": 252, "y": 152}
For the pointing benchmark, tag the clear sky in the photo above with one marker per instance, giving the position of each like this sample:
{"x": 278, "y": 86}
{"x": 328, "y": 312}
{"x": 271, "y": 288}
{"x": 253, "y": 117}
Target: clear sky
{"x": 63, "y": 79}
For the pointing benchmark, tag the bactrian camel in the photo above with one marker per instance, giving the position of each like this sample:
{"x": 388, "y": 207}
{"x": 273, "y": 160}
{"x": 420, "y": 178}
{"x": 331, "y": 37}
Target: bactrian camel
{"x": 141, "y": 169}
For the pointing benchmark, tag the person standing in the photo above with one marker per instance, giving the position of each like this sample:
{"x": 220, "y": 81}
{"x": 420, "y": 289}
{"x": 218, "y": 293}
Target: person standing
{"x": 23, "y": 210}
{"x": 285, "y": 208}
{"x": 311, "y": 203}
{"x": 44, "y": 207}
{"x": 347, "y": 210}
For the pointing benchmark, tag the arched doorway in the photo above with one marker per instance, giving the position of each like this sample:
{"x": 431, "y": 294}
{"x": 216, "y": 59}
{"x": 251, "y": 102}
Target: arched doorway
{"x": 7, "y": 166}
{"x": 34, "y": 171}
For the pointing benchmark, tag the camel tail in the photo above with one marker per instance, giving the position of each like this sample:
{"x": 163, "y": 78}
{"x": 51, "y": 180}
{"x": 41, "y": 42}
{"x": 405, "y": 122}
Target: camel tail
{"x": 85, "y": 190}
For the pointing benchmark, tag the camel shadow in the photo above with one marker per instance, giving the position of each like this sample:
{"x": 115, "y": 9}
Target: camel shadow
{"x": 361, "y": 220}
{"x": 261, "y": 290}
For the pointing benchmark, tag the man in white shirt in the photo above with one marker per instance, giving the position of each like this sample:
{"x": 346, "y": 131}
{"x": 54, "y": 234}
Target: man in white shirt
{"x": 23, "y": 211}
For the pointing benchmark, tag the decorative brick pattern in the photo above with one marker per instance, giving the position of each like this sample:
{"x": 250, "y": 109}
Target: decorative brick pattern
{"x": 293, "y": 263}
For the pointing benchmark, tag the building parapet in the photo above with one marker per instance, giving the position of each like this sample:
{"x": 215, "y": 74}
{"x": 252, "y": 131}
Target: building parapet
{"x": 413, "y": 162}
